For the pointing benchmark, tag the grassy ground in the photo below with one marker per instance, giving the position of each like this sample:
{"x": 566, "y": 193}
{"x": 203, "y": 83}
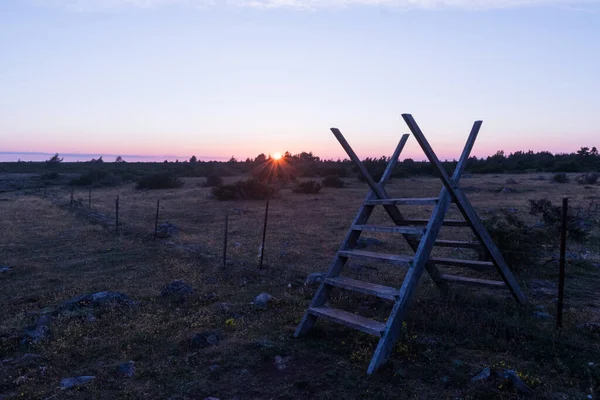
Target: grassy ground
{"x": 58, "y": 253}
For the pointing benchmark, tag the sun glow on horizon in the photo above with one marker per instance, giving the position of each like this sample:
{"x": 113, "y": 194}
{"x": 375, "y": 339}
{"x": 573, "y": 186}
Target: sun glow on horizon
{"x": 277, "y": 156}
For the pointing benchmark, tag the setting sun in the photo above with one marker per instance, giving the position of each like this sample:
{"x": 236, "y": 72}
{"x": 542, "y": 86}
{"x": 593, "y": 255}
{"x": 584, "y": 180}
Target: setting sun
{"x": 277, "y": 156}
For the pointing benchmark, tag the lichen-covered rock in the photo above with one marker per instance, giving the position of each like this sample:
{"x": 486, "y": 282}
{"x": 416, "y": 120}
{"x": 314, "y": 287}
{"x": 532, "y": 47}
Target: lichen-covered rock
{"x": 262, "y": 300}
{"x": 177, "y": 290}
{"x": 314, "y": 278}
{"x": 166, "y": 230}
{"x": 126, "y": 369}
{"x": 205, "y": 339}
{"x": 97, "y": 300}
{"x": 68, "y": 383}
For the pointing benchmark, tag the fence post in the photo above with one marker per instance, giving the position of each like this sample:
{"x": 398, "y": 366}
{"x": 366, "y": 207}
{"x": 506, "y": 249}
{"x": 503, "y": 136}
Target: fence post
{"x": 225, "y": 240}
{"x": 117, "y": 215}
{"x": 156, "y": 219}
{"x": 90, "y": 199}
{"x": 72, "y": 200}
{"x": 561, "y": 274}
{"x": 262, "y": 246}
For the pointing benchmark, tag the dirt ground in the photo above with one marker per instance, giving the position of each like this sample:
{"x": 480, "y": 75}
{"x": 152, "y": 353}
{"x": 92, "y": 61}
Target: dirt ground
{"x": 215, "y": 342}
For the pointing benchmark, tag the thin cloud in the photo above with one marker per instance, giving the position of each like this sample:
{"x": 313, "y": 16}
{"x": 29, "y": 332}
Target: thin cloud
{"x": 89, "y": 5}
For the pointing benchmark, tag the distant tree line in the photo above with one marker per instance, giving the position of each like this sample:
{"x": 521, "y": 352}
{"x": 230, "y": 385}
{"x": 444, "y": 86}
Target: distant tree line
{"x": 304, "y": 164}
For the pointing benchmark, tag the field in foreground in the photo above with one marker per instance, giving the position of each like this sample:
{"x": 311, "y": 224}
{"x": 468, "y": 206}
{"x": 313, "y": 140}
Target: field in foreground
{"x": 215, "y": 342}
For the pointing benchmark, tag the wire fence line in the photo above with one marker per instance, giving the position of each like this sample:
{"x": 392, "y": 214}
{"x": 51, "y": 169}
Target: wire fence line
{"x": 141, "y": 222}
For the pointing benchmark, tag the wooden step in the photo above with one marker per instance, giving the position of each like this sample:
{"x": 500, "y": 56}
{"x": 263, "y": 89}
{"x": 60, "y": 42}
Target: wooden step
{"x": 393, "y": 258}
{"x": 472, "y": 281}
{"x": 447, "y": 222}
{"x": 366, "y": 325}
{"x": 458, "y": 243}
{"x": 480, "y": 266}
{"x": 384, "y": 292}
{"x": 407, "y": 230}
{"x": 404, "y": 202}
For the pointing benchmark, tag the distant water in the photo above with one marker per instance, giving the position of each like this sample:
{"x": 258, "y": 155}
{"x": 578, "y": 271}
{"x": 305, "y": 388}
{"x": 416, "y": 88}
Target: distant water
{"x": 10, "y": 156}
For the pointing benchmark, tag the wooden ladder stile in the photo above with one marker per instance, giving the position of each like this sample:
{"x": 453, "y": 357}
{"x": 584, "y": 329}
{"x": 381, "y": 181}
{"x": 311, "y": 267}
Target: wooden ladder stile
{"x": 421, "y": 235}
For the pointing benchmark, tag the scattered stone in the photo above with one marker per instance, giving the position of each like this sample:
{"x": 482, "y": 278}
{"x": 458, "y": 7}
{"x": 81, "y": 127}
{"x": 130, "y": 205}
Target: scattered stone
{"x": 90, "y": 318}
{"x": 204, "y": 339}
{"x": 4, "y": 269}
{"x": 457, "y": 363}
{"x": 507, "y": 190}
{"x": 126, "y": 369}
{"x": 211, "y": 297}
{"x": 68, "y": 383}
{"x": 513, "y": 378}
{"x": 211, "y": 398}
{"x": 263, "y": 343}
{"x": 542, "y": 315}
{"x": 511, "y": 181}
{"x": 97, "y": 300}
{"x": 26, "y": 360}
{"x": 481, "y": 376}
{"x": 166, "y": 230}
{"x": 177, "y": 290}
{"x": 214, "y": 368}
{"x": 281, "y": 362}
{"x": 427, "y": 341}
{"x": 368, "y": 242}
{"x": 35, "y": 334}
{"x": 262, "y": 300}
{"x": 593, "y": 327}
{"x": 315, "y": 277}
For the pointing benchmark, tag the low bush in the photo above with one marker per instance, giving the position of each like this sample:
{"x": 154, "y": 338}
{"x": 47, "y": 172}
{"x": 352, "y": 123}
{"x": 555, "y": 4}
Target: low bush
{"x": 308, "y": 187}
{"x": 97, "y": 178}
{"x": 250, "y": 189}
{"x": 580, "y": 221}
{"x": 50, "y": 176}
{"x": 521, "y": 245}
{"x": 165, "y": 180}
{"x": 213, "y": 180}
{"x": 333, "y": 181}
{"x": 587, "y": 179}
{"x": 561, "y": 177}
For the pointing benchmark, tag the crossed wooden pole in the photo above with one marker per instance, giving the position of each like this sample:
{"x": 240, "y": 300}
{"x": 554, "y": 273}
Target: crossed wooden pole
{"x": 420, "y": 240}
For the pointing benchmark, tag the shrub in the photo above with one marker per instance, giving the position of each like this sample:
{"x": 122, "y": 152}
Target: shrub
{"x": 308, "y": 187}
{"x": 97, "y": 178}
{"x": 50, "y": 176}
{"x": 250, "y": 189}
{"x": 561, "y": 177}
{"x": 580, "y": 221}
{"x": 520, "y": 244}
{"x": 213, "y": 180}
{"x": 587, "y": 179}
{"x": 165, "y": 180}
{"x": 333, "y": 181}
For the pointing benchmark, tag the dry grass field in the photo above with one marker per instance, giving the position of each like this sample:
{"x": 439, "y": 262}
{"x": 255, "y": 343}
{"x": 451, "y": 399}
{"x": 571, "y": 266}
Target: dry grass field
{"x": 56, "y": 253}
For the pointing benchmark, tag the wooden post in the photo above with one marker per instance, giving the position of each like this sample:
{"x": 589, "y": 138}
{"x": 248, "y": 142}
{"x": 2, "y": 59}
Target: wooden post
{"x": 262, "y": 246}
{"x": 117, "y": 215}
{"x": 156, "y": 219}
{"x": 72, "y": 199}
{"x": 90, "y": 199}
{"x": 225, "y": 240}
{"x": 561, "y": 274}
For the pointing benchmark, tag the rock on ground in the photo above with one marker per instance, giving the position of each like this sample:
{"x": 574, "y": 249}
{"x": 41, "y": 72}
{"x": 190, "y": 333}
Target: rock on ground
{"x": 166, "y": 230}
{"x": 68, "y": 383}
{"x": 126, "y": 369}
{"x": 513, "y": 378}
{"x": 4, "y": 269}
{"x": 483, "y": 375}
{"x": 205, "y": 339}
{"x": 106, "y": 299}
{"x": 315, "y": 277}
{"x": 262, "y": 300}
{"x": 177, "y": 290}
